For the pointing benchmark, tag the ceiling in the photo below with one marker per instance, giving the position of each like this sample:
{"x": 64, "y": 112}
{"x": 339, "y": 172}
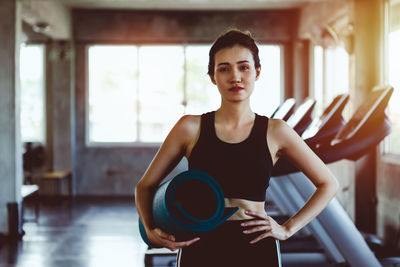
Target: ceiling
{"x": 56, "y": 12}
{"x": 188, "y": 4}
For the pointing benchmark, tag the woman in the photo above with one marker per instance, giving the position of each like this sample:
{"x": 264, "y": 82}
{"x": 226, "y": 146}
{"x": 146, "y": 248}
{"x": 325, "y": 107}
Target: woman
{"x": 238, "y": 148}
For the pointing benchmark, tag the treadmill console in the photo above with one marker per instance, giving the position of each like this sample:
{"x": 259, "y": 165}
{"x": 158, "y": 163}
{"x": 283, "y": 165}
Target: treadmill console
{"x": 301, "y": 118}
{"x": 284, "y": 111}
{"x": 378, "y": 99}
{"x": 331, "y": 118}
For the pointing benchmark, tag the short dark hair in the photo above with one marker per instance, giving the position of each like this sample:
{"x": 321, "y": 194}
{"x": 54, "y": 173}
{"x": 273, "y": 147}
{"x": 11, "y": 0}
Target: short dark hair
{"x": 229, "y": 39}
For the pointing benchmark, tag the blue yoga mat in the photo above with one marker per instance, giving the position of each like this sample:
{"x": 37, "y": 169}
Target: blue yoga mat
{"x": 189, "y": 204}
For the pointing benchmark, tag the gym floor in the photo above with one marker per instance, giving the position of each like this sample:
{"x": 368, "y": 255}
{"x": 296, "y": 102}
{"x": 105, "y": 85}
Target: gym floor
{"x": 79, "y": 233}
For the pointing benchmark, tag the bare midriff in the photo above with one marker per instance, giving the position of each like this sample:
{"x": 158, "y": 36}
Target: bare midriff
{"x": 244, "y": 205}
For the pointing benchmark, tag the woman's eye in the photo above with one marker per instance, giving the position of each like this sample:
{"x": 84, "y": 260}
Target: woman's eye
{"x": 223, "y": 69}
{"x": 244, "y": 67}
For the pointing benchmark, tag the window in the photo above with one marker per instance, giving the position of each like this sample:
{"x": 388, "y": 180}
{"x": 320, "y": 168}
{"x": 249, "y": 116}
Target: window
{"x": 202, "y": 95}
{"x": 393, "y": 145}
{"x": 137, "y": 93}
{"x": 331, "y": 75}
{"x": 161, "y": 80}
{"x": 32, "y": 93}
{"x": 267, "y": 92}
{"x": 112, "y": 94}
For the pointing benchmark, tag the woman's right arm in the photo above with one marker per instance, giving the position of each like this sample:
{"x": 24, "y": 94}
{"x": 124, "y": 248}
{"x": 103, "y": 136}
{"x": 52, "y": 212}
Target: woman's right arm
{"x": 182, "y": 136}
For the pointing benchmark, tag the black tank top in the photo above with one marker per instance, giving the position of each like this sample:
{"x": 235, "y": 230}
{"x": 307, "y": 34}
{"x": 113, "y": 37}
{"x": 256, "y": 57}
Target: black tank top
{"x": 242, "y": 169}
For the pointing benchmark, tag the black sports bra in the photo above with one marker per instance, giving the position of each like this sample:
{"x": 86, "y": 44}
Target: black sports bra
{"x": 242, "y": 169}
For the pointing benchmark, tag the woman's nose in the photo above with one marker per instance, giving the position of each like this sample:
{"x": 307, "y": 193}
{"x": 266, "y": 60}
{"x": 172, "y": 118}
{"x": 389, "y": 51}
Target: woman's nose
{"x": 236, "y": 77}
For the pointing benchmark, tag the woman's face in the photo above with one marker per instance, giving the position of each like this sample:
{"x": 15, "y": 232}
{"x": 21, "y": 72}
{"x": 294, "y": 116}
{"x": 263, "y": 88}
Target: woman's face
{"x": 235, "y": 73}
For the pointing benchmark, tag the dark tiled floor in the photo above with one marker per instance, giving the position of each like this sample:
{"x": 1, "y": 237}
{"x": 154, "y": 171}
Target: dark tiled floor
{"x": 81, "y": 233}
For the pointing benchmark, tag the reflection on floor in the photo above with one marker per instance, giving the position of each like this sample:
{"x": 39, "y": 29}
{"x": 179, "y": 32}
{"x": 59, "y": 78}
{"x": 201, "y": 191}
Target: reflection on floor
{"x": 81, "y": 233}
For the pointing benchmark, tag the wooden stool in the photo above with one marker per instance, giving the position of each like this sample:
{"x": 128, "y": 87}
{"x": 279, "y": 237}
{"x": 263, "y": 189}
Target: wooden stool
{"x": 57, "y": 177}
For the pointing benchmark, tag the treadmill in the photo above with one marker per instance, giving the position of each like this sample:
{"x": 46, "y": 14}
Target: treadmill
{"x": 302, "y": 117}
{"x": 302, "y": 247}
{"x": 320, "y": 130}
{"x": 342, "y": 242}
{"x": 285, "y": 110}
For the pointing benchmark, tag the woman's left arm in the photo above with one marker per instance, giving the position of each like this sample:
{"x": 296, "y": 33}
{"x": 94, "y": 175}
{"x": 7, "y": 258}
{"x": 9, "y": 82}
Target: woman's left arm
{"x": 289, "y": 144}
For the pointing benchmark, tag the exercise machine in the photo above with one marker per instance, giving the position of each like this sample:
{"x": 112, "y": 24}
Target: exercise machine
{"x": 342, "y": 242}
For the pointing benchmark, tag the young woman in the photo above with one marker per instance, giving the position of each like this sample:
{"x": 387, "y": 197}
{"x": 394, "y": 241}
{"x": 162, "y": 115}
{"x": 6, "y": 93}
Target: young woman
{"x": 239, "y": 149}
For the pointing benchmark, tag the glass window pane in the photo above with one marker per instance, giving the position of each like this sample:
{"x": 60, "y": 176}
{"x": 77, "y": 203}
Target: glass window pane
{"x": 32, "y": 93}
{"x": 394, "y": 80}
{"x": 161, "y": 81}
{"x": 202, "y": 94}
{"x": 318, "y": 78}
{"x": 331, "y": 75}
{"x": 112, "y": 93}
{"x": 337, "y": 64}
{"x": 267, "y": 92}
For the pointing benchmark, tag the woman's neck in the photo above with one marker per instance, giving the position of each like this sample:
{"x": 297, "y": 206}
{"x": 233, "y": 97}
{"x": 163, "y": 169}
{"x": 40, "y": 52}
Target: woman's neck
{"x": 234, "y": 113}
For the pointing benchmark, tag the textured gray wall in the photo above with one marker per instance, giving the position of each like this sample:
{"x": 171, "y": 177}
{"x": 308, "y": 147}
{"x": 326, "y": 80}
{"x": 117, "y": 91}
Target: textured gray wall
{"x": 10, "y": 138}
{"x": 180, "y": 26}
{"x": 116, "y": 170}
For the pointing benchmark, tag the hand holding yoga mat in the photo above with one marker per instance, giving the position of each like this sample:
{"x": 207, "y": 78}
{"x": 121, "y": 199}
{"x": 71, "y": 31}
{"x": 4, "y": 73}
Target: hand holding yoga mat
{"x": 190, "y": 203}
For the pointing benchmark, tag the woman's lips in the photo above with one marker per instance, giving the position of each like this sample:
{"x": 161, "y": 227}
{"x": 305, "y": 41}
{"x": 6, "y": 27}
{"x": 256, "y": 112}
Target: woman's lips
{"x": 236, "y": 89}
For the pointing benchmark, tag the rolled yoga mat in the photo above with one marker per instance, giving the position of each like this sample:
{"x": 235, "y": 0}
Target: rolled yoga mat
{"x": 189, "y": 204}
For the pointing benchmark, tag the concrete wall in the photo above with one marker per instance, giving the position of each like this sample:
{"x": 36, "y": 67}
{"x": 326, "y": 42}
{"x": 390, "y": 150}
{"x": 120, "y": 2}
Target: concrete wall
{"x": 59, "y": 104}
{"x": 10, "y": 137}
{"x": 54, "y": 13}
{"x": 388, "y": 188}
{"x": 116, "y": 170}
{"x": 180, "y": 26}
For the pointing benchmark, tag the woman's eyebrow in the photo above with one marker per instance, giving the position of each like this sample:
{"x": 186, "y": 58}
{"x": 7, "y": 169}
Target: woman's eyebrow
{"x": 239, "y": 62}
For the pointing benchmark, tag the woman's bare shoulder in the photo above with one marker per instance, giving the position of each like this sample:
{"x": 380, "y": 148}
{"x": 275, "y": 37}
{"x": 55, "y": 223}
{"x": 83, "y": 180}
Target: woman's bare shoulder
{"x": 188, "y": 126}
{"x": 277, "y": 126}
{"x": 279, "y": 131}
{"x": 282, "y": 135}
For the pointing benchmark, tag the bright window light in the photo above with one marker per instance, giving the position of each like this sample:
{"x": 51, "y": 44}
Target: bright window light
{"x": 267, "y": 92}
{"x": 137, "y": 93}
{"x": 202, "y": 94}
{"x": 394, "y": 80}
{"x": 319, "y": 78}
{"x": 331, "y": 75}
{"x": 112, "y": 93}
{"x": 161, "y": 97}
{"x": 32, "y": 93}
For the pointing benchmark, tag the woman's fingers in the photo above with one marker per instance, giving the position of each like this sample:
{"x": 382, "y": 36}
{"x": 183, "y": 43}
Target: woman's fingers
{"x": 257, "y": 229}
{"x": 266, "y": 234}
{"x": 261, "y": 215}
{"x": 255, "y": 222}
{"x": 176, "y": 245}
{"x": 164, "y": 235}
{"x": 168, "y": 241}
{"x": 264, "y": 223}
{"x": 186, "y": 243}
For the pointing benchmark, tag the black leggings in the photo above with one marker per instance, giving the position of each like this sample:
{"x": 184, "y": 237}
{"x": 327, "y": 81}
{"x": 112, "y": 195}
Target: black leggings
{"x": 227, "y": 245}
